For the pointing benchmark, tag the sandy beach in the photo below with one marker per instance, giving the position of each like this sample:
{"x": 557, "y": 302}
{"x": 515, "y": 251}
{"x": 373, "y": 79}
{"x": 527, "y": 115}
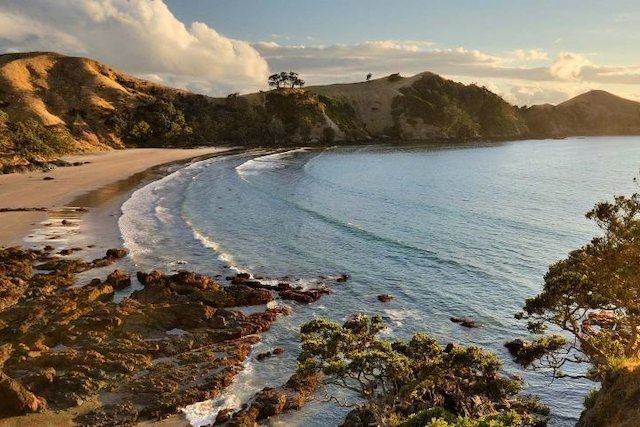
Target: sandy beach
{"x": 32, "y": 190}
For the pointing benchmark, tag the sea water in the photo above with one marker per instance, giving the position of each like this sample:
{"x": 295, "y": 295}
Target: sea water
{"x": 450, "y": 230}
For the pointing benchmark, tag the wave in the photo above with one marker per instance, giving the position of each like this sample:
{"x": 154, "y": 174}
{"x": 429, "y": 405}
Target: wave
{"x": 143, "y": 214}
{"x": 213, "y": 245}
{"x": 270, "y": 161}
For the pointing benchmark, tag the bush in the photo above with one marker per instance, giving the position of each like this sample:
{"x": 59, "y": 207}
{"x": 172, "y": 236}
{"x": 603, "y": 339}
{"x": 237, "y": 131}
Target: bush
{"x": 30, "y": 139}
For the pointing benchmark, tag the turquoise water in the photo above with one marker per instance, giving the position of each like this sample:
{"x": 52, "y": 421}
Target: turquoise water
{"x": 448, "y": 231}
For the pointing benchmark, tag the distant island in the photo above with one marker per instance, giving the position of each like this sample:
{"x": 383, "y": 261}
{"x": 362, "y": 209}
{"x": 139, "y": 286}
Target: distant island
{"x": 52, "y": 104}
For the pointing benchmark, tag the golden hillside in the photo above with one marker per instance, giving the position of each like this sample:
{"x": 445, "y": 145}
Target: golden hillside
{"x": 77, "y": 93}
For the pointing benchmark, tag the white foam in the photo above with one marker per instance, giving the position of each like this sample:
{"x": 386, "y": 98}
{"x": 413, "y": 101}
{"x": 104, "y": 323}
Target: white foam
{"x": 242, "y": 387}
{"x": 270, "y": 161}
{"x": 143, "y": 216}
{"x": 213, "y": 245}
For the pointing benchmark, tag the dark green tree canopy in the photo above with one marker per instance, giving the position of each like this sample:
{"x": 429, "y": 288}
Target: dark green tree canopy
{"x": 413, "y": 383}
{"x": 593, "y": 295}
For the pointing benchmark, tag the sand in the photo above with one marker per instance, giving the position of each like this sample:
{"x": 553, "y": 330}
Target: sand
{"x": 30, "y": 190}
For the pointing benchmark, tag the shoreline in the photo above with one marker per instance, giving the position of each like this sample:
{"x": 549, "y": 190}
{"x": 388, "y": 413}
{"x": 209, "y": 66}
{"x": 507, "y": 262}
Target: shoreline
{"x": 103, "y": 182}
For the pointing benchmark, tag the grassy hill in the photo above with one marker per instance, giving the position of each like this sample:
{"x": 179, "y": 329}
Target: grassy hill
{"x": 52, "y": 104}
{"x": 593, "y": 113}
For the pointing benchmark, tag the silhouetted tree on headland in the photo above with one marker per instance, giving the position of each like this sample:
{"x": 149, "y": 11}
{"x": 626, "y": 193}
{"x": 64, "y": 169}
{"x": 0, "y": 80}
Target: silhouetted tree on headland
{"x": 284, "y": 79}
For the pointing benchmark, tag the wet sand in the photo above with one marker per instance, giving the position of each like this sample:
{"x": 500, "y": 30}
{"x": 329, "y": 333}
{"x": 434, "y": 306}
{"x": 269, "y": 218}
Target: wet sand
{"x": 109, "y": 172}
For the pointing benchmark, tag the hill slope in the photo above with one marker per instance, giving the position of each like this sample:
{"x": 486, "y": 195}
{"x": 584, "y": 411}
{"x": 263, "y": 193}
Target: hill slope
{"x": 52, "y": 104}
{"x": 593, "y": 113}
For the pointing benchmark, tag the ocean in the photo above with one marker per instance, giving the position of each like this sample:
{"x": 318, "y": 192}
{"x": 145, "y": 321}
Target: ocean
{"x": 448, "y": 230}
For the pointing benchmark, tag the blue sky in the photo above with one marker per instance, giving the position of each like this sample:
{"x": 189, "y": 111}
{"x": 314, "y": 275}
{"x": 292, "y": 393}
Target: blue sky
{"x": 527, "y": 51}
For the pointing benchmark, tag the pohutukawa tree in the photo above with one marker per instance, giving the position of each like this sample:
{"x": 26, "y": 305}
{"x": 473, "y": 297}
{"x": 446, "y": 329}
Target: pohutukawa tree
{"x": 285, "y": 79}
{"x": 414, "y": 383}
{"x": 593, "y": 296}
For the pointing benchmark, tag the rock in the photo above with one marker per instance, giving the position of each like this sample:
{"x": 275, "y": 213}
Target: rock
{"x": 69, "y": 344}
{"x": 48, "y": 178}
{"x": 122, "y": 414}
{"x": 224, "y": 415}
{"x": 48, "y": 248}
{"x": 278, "y": 350}
{"x": 384, "y": 297}
{"x": 343, "y": 278}
{"x": 359, "y": 417}
{"x": 467, "y": 323}
{"x": 449, "y": 348}
{"x": 270, "y": 402}
{"x": 516, "y": 346}
{"x": 65, "y": 222}
{"x": 119, "y": 279}
{"x": 264, "y": 355}
{"x": 65, "y": 252}
{"x": 17, "y": 400}
{"x": 239, "y": 278}
{"x": 116, "y": 253}
{"x": 302, "y": 296}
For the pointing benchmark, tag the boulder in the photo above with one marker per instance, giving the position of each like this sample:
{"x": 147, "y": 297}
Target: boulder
{"x": 119, "y": 279}
{"x": 466, "y": 322}
{"x": 15, "y": 399}
{"x": 224, "y": 415}
{"x": 384, "y": 297}
{"x": 116, "y": 253}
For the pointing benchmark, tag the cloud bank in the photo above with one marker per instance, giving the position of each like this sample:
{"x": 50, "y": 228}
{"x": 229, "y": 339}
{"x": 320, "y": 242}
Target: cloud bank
{"x": 138, "y": 36}
{"x": 523, "y": 76}
{"x": 143, "y": 37}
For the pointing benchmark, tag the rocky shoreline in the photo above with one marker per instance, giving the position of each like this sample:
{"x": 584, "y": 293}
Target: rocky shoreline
{"x": 177, "y": 340}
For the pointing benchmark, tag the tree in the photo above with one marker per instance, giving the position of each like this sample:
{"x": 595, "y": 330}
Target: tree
{"x": 275, "y": 80}
{"x": 284, "y": 79}
{"x": 369, "y": 76}
{"x": 593, "y": 296}
{"x": 411, "y": 383}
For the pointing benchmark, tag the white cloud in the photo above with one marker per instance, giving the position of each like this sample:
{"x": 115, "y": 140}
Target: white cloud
{"x": 530, "y": 54}
{"x": 137, "y": 36}
{"x": 568, "y": 66}
{"x": 143, "y": 37}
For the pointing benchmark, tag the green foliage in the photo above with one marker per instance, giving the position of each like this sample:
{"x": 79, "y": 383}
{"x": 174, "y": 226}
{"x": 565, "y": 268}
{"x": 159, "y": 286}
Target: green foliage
{"x": 527, "y": 353}
{"x": 31, "y": 139}
{"x": 460, "y": 111}
{"x": 593, "y": 294}
{"x": 397, "y": 379}
{"x": 343, "y": 114}
{"x": 4, "y": 119}
{"x": 438, "y": 417}
{"x": 298, "y": 110}
{"x": 155, "y": 123}
{"x": 590, "y": 398}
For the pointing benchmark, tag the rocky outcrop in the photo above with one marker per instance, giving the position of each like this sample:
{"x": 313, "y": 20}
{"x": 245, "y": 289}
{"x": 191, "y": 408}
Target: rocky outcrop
{"x": 176, "y": 341}
{"x": 465, "y": 321}
{"x": 285, "y": 290}
{"x": 15, "y": 399}
{"x": 270, "y": 402}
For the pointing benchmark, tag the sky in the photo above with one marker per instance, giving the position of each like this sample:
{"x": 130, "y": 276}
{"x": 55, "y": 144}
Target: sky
{"x": 529, "y": 52}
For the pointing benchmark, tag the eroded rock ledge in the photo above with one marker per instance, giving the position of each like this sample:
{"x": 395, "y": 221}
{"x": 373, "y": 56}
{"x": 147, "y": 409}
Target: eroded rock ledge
{"x": 174, "y": 342}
